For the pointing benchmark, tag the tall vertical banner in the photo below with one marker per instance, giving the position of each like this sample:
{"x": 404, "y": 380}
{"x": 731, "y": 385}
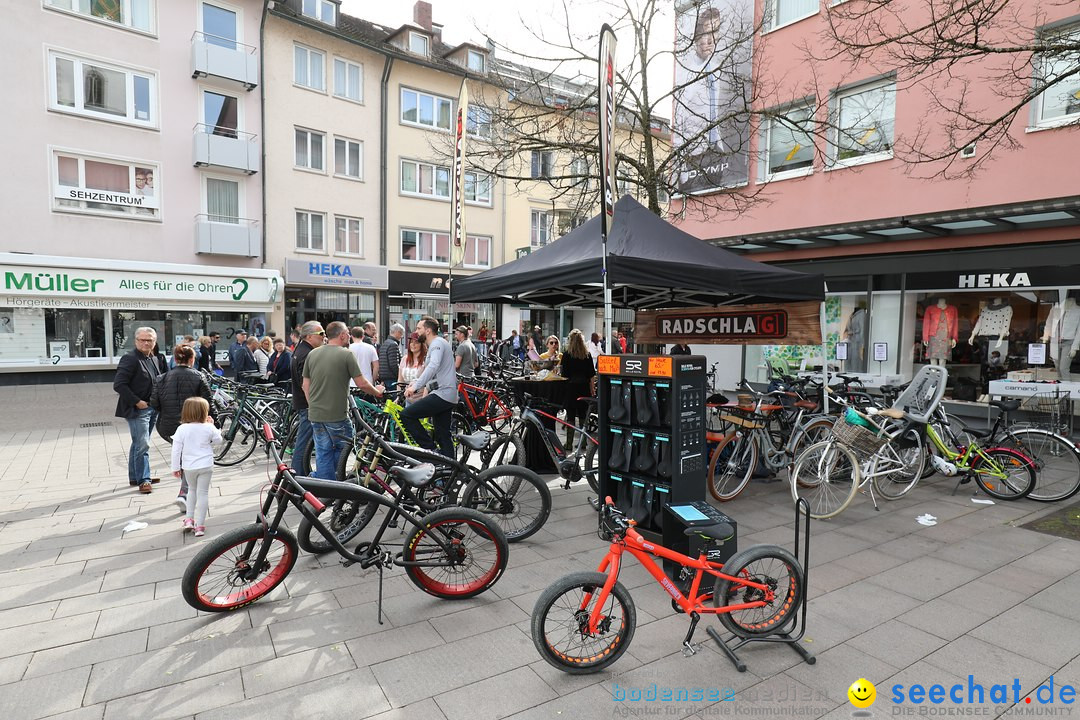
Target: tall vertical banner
{"x": 713, "y": 74}
{"x": 606, "y": 96}
{"x": 457, "y": 194}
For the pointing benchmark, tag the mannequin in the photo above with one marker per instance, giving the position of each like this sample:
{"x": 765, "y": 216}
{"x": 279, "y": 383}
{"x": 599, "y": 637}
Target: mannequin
{"x": 855, "y": 334}
{"x": 940, "y": 330}
{"x": 994, "y": 319}
{"x": 1063, "y": 333}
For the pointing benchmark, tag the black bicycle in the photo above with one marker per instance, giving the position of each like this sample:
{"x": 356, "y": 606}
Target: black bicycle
{"x": 452, "y": 553}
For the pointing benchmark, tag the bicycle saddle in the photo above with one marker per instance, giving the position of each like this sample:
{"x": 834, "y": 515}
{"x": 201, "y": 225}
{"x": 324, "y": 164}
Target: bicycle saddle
{"x": 720, "y": 531}
{"x": 641, "y": 403}
{"x": 654, "y": 404}
{"x": 477, "y": 441}
{"x": 644, "y": 456}
{"x": 663, "y": 465}
{"x": 620, "y": 404}
{"x": 621, "y": 448}
{"x": 1006, "y": 405}
{"x": 416, "y": 476}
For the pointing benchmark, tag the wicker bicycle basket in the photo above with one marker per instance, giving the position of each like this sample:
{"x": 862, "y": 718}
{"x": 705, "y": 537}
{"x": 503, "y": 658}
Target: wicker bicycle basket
{"x": 861, "y": 441}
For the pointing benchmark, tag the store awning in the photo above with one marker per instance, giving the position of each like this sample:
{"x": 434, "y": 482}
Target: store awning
{"x": 651, "y": 264}
{"x": 1013, "y": 217}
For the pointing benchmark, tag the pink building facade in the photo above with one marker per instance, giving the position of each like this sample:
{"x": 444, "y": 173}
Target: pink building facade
{"x": 900, "y": 243}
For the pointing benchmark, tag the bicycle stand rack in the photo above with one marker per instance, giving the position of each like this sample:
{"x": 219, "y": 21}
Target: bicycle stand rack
{"x": 794, "y": 635}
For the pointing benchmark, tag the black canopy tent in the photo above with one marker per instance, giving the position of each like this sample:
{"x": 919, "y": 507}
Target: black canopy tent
{"x": 651, "y": 264}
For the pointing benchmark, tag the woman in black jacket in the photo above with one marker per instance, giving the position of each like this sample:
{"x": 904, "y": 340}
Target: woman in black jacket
{"x": 205, "y": 355}
{"x": 577, "y": 368}
{"x": 176, "y": 386}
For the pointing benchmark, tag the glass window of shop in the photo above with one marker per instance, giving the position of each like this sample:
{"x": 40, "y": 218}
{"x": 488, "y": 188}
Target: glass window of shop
{"x": 352, "y": 307}
{"x": 51, "y": 335}
{"x": 172, "y": 326}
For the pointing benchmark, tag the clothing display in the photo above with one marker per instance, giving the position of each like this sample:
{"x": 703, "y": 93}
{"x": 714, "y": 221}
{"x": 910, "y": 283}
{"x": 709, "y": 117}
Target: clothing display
{"x": 855, "y": 332}
{"x": 940, "y": 331}
{"x": 1063, "y": 332}
{"x": 994, "y": 321}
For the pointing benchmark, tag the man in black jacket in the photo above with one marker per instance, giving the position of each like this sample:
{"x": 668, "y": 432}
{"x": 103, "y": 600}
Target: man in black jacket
{"x": 243, "y": 360}
{"x": 234, "y": 350}
{"x": 134, "y": 383}
{"x": 311, "y": 337}
{"x": 390, "y": 356}
{"x": 214, "y": 338}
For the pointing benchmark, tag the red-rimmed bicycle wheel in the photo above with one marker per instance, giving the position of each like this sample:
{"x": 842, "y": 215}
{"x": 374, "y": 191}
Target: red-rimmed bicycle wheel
{"x": 221, "y": 578}
{"x": 477, "y": 557}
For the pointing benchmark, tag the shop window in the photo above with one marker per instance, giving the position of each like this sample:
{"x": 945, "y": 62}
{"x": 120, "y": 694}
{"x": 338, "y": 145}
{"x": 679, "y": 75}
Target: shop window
{"x": 104, "y": 186}
{"x": 789, "y": 144}
{"x": 52, "y": 336}
{"x": 348, "y": 80}
{"x": 133, "y": 14}
{"x": 418, "y": 246}
{"x": 1060, "y": 103}
{"x": 865, "y": 119}
{"x": 309, "y": 68}
{"x": 101, "y": 90}
{"x": 425, "y": 110}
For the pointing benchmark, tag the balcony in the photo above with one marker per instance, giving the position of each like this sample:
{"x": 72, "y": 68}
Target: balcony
{"x": 220, "y": 235}
{"x": 213, "y": 56}
{"x": 221, "y": 147}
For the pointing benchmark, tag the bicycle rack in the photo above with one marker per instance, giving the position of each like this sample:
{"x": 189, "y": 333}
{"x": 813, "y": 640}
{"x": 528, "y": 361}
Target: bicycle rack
{"x": 798, "y": 628}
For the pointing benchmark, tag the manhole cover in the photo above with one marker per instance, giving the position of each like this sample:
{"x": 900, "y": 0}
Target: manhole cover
{"x": 97, "y": 424}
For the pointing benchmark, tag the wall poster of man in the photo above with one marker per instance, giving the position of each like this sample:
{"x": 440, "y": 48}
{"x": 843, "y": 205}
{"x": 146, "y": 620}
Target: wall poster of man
{"x": 713, "y": 53}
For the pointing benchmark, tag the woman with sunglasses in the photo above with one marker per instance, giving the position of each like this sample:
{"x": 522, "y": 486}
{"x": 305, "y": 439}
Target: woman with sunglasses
{"x": 551, "y": 351}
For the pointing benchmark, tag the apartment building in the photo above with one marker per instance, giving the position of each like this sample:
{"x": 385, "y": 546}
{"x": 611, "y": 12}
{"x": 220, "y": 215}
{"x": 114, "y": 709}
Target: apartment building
{"x": 135, "y": 197}
{"x": 966, "y": 271}
{"x": 359, "y": 132}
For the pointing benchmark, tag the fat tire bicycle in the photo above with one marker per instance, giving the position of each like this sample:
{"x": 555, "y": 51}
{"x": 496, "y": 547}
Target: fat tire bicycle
{"x": 585, "y": 621}
{"x": 452, "y": 553}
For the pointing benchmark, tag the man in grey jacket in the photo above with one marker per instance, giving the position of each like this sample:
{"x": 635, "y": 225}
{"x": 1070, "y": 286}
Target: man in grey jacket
{"x": 440, "y": 379}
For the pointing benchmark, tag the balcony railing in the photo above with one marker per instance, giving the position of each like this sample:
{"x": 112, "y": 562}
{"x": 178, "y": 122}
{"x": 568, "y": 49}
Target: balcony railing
{"x": 225, "y": 235}
{"x": 214, "y": 56}
{"x": 223, "y": 147}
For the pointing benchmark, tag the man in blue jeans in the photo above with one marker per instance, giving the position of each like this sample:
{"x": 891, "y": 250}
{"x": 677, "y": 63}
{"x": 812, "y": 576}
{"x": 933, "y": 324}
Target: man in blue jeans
{"x": 134, "y": 382}
{"x": 311, "y": 337}
{"x": 327, "y": 372}
{"x": 440, "y": 378}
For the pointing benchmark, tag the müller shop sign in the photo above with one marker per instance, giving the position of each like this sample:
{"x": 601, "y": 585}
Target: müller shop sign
{"x": 26, "y": 285}
{"x": 793, "y": 324}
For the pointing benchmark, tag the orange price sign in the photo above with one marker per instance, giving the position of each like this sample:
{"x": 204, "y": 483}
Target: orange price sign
{"x": 660, "y": 367}
{"x": 608, "y": 365}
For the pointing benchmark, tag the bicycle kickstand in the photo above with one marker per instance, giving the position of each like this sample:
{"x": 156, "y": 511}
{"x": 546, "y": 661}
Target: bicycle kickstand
{"x": 688, "y": 649}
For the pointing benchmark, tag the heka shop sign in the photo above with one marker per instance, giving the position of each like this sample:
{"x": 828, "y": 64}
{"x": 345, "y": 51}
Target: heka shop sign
{"x": 45, "y": 282}
{"x": 794, "y": 324}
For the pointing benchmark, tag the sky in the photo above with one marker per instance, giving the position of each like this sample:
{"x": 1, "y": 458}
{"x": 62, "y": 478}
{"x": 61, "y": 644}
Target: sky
{"x": 508, "y": 21}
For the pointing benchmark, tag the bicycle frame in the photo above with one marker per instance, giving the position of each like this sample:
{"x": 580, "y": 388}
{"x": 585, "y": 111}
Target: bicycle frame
{"x": 491, "y": 402}
{"x": 644, "y": 551}
{"x": 557, "y": 453}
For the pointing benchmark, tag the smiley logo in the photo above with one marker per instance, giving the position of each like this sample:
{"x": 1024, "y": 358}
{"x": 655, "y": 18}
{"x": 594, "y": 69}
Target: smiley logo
{"x": 862, "y": 693}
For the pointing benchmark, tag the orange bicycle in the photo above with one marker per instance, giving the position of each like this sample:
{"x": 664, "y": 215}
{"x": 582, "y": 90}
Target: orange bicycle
{"x": 585, "y": 621}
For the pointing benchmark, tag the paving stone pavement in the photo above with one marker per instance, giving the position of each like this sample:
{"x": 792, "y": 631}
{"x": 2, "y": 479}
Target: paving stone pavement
{"x": 92, "y": 623}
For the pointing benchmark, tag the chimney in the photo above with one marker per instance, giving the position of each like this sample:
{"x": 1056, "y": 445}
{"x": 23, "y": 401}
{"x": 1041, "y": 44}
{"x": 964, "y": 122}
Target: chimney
{"x": 422, "y": 14}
